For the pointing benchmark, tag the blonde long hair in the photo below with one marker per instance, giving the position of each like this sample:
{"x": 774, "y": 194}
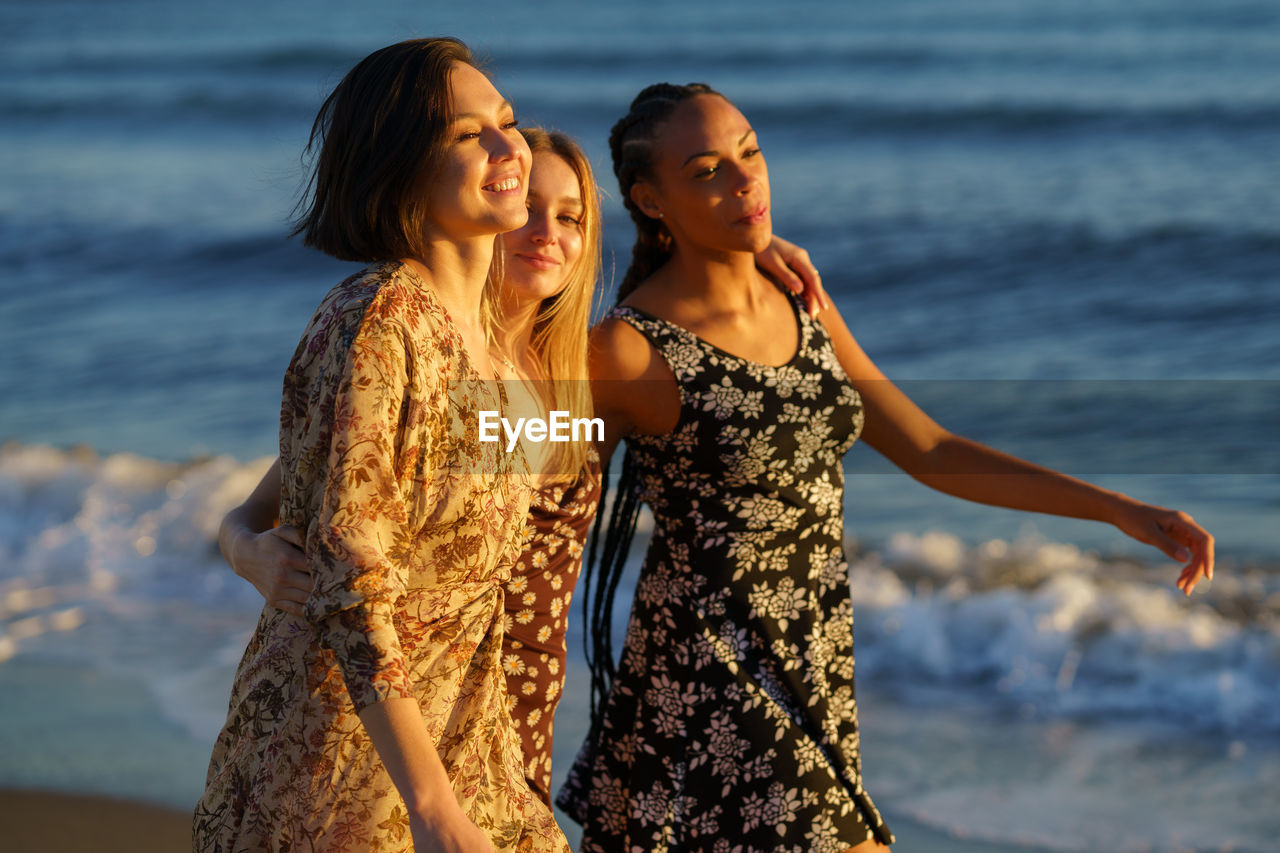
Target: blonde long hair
{"x": 559, "y": 340}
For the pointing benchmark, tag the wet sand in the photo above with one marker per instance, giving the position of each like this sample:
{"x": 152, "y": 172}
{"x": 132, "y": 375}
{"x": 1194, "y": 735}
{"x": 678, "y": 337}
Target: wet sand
{"x": 53, "y": 822}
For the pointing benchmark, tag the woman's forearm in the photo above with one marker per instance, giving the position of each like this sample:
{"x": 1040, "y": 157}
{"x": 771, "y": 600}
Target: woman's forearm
{"x": 972, "y": 471}
{"x": 256, "y": 514}
{"x": 398, "y": 734}
{"x": 966, "y": 469}
{"x": 436, "y": 820}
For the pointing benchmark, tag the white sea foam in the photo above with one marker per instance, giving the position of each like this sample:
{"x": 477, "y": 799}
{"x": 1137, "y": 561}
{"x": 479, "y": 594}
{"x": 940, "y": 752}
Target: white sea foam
{"x": 112, "y": 562}
{"x": 1046, "y": 628}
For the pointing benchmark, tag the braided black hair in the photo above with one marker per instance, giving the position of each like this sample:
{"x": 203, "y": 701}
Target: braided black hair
{"x": 600, "y": 582}
{"x": 631, "y": 144}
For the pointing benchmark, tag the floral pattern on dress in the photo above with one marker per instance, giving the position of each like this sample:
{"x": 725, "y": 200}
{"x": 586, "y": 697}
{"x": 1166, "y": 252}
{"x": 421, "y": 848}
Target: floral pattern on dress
{"x": 731, "y": 725}
{"x": 411, "y": 526}
{"x": 538, "y": 597}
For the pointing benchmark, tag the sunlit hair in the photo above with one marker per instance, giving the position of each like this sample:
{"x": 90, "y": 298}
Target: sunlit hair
{"x": 374, "y": 145}
{"x": 631, "y": 145}
{"x": 559, "y": 338}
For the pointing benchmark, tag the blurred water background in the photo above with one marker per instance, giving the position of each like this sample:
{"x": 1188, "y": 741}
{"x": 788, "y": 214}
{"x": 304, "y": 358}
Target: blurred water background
{"x": 1057, "y": 223}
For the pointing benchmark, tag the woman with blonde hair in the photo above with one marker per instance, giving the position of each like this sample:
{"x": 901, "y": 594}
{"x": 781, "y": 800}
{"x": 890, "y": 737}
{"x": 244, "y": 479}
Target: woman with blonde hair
{"x": 545, "y": 301}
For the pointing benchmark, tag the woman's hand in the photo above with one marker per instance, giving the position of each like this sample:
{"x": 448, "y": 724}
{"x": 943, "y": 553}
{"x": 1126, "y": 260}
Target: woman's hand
{"x": 789, "y": 267}
{"x": 450, "y": 833}
{"x": 1176, "y": 534}
{"x": 274, "y": 563}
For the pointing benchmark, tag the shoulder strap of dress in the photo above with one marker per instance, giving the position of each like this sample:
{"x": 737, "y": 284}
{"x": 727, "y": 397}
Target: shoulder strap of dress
{"x": 656, "y": 330}
{"x": 813, "y": 334}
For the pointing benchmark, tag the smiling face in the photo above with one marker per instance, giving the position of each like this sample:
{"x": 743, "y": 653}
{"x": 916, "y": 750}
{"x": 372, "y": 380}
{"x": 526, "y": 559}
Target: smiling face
{"x": 542, "y": 255}
{"x": 709, "y": 184}
{"x": 478, "y": 185}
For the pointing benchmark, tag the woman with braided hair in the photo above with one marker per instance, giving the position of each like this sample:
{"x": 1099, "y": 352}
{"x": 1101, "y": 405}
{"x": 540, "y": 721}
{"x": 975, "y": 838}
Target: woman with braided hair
{"x": 729, "y": 724}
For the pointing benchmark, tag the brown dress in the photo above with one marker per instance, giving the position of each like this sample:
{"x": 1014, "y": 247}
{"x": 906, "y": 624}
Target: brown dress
{"x": 411, "y": 526}
{"x": 538, "y": 597}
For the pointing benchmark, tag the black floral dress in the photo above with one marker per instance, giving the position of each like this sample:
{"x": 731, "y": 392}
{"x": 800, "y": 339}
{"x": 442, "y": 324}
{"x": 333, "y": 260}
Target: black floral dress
{"x": 732, "y": 727}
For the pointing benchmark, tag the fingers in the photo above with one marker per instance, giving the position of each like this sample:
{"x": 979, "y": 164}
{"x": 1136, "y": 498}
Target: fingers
{"x": 1191, "y": 544}
{"x": 813, "y": 302}
{"x": 824, "y": 301}
{"x": 273, "y": 561}
{"x": 815, "y": 297}
{"x": 286, "y": 551}
{"x": 806, "y": 273}
{"x": 1189, "y": 578}
{"x": 1197, "y": 538}
{"x": 294, "y": 585}
{"x": 790, "y": 267}
{"x": 288, "y": 533}
{"x": 290, "y": 591}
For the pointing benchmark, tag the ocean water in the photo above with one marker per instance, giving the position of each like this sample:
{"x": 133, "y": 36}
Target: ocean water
{"x": 1056, "y": 224}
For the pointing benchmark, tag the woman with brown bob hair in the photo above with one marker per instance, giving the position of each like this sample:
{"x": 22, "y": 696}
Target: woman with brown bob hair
{"x": 542, "y": 309}
{"x": 378, "y": 719}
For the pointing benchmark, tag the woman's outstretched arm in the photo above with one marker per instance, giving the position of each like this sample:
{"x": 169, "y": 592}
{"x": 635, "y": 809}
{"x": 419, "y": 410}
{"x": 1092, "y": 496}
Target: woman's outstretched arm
{"x": 949, "y": 463}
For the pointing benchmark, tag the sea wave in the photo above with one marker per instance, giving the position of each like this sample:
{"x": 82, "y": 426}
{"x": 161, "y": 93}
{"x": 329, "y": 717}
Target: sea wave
{"x": 112, "y": 562}
{"x": 937, "y": 47}
{"x": 265, "y": 89}
{"x": 1009, "y": 115}
{"x": 979, "y": 257}
{"x": 1052, "y": 631}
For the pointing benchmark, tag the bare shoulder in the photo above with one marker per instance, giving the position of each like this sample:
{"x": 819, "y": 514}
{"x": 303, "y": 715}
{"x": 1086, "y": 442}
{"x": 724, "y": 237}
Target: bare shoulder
{"x": 633, "y": 388}
{"x": 857, "y": 365}
{"x": 619, "y": 351}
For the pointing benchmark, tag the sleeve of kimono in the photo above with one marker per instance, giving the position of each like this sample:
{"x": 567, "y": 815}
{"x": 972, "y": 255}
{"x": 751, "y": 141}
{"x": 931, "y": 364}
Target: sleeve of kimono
{"x": 358, "y": 542}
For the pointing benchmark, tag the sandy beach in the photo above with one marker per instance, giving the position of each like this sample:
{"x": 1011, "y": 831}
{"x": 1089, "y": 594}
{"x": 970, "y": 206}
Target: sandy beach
{"x": 53, "y": 822}
{"x": 70, "y": 823}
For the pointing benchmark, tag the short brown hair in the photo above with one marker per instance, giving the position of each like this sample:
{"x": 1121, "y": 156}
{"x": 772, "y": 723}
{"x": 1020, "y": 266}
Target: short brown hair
{"x": 378, "y": 137}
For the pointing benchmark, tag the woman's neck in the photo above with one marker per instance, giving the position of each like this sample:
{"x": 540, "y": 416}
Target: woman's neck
{"x": 725, "y": 279}
{"x": 515, "y": 331}
{"x": 456, "y": 273}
